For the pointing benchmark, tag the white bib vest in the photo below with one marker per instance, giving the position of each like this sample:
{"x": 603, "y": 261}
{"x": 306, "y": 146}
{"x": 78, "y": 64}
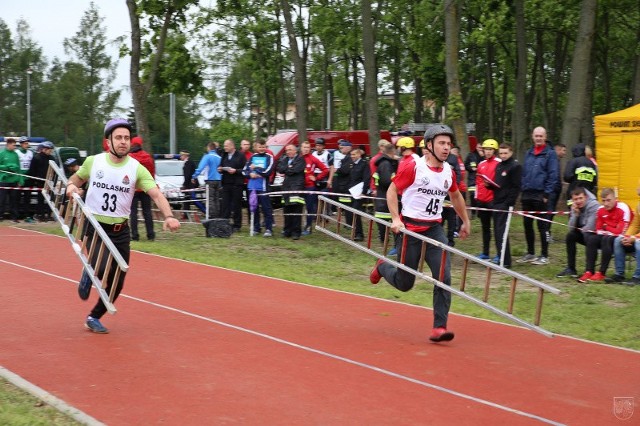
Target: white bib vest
{"x": 25, "y": 159}
{"x": 424, "y": 198}
{"x": 111, "y": 188}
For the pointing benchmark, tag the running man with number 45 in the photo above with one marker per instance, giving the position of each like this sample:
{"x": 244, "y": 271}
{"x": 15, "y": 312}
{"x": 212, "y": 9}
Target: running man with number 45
{"x": 113, "y": 177}
{"x": 423, "y": 184}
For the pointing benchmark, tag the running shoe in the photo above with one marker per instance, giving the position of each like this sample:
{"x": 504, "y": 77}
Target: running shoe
{"x": 615, "y": 279}
{"x": 598, "y": 277}
{"x": 375, "y": 275}
{"x": 440, "y": 334}
{"x": 541, "y": 261}
{"x": 527, "y": 258}
{"x": 567, "y": 272}
{"x": 392, "y": 252}
{"x": 585, "y": 277}
{"x": 483, "y": 256}
{"x": 94, "y": 325}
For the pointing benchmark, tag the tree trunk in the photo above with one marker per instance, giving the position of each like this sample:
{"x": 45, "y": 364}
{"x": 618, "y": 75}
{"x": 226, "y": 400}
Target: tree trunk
{"x": 635, "y": 83}
{"x": 139, "y": 90}
{"x": 519, "y": 120}
{"x": 456, "y": 110}
{"x": 302, "y": 111}
{"x": 418, "y": 106}
{"x": 580, "y": 64}
{"x": 370, "y": 76}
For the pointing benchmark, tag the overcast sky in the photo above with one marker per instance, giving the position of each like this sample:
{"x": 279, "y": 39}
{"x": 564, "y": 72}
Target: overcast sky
{"x": 52, "y": 21}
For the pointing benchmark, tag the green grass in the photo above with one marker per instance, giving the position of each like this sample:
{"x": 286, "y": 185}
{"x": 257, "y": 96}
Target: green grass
{"x": 19, "y": 408}
{"x": 599, "y": 312}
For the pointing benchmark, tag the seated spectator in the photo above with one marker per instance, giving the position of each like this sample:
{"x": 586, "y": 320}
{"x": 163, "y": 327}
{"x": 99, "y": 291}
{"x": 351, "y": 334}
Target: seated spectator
{"x": 611, "y": 221}
{"x": 628, "y": 243}
{"x": 584, "y": 209}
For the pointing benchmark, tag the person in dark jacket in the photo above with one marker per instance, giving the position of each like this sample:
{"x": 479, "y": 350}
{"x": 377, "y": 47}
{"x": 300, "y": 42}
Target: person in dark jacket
{"x": 471, "y": 166}
{"x": 292, "y": 166}
{"x": 386, "y": 166}
{"x": 141, "y": 197}
{"x": 508, "y": 177}
{"x": 38, "y": 168}
{"x": 188, "y": 169}
{"x": 580, "y": 172}
{"x": 354, "y": 171}
{"x": 231, "y": 166}
{"x": 539, "y": 177}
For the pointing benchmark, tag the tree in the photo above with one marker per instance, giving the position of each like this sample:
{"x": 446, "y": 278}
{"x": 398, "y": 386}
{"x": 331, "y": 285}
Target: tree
{"x": 456, "y": 110}
{"x": 580, "y": 75}
{"x": 298, "y": 58}
{"x": 88, "y": 48}
{"x": 370, "y": 75}
{"x": 161, "y": 16}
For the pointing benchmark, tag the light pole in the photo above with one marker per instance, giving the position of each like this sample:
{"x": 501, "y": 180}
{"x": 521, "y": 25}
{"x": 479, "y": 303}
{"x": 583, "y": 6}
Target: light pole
{"x": 29, "y": 71}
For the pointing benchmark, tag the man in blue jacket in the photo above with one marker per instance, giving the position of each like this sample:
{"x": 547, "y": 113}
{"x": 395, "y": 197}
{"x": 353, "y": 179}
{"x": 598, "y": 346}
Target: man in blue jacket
{"x": 211, "y": 162}
{"x": 539, "y": 177}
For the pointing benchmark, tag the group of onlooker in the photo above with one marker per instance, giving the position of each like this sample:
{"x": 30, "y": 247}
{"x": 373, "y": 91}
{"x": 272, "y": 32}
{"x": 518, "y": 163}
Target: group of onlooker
{"x": 497, "y": 184}
{"x": 20, "y": 168}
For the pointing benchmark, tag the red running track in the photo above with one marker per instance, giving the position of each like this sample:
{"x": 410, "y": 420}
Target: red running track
{"x": 194, "y": 344}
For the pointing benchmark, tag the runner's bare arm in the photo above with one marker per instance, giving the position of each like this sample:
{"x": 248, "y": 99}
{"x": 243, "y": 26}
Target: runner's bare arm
{"x": 170, "y": 222}
{"x": 392, "y": 203}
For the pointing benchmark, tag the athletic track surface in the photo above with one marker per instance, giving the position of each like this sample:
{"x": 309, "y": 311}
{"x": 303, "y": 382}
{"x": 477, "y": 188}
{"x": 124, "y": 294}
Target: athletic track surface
{"x": 195, "y": 344}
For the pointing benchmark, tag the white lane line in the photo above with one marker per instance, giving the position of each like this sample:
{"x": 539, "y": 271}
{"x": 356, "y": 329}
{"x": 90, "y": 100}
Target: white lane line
{"x": 320, "y": 352}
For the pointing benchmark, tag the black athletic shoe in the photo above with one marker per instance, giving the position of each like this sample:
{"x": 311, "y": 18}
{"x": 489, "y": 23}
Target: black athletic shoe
{"x": 615, "y": 279}
{"x": 84, "y": 287}
{"x": 568, "y": 272}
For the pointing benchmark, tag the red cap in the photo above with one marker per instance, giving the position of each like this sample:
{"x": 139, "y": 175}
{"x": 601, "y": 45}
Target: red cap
{"x": 136, "y": 141}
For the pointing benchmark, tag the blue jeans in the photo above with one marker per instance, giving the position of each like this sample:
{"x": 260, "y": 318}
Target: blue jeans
{"x": 620, "y": 253}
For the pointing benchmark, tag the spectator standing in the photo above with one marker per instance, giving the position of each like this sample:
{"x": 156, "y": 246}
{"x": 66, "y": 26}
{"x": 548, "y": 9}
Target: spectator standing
{"x": 584, "y": 210}
{"x": 38, "y": 169}
{"x": 231, "y": 166}
{"x": 561, "y": 152}
{"x": 258, "y": 169}
{"x": 344, "y": 148}
{"x": 188, "y": 168}
{"x": 372, "y": 163}
{"x": 211, "y": 162}
{"x": 539, "y": 177}
{"x": 141, "y": 197}
{"x": 26, "y": 156}
{"x": 326, "y": 157}
{"x": 624, "y": 244}
{"x": 354, "y": 173}
{"x": 471, "y": 166}
{"x": 120, "y": 175}
{"x": 485, "y": 183}
{"x": 580, "y": 172}
{"x": 313, "y": 164}
{"x": 611, "y": 221}
{"x": 9, "y": 179}
{"x": 386, "y": 167}
{"x": 292, "y": 166}
{"x": 505, "y": 193}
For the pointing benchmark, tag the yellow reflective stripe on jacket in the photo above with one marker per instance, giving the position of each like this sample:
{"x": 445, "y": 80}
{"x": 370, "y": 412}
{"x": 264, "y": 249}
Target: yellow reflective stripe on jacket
{"x": 382, "y": 215}
{"x": 296, "y": 199}
{"x": 344, "y": 199}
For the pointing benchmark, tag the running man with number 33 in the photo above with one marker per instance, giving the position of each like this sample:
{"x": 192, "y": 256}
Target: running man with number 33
{"x": 113, "y": 177}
